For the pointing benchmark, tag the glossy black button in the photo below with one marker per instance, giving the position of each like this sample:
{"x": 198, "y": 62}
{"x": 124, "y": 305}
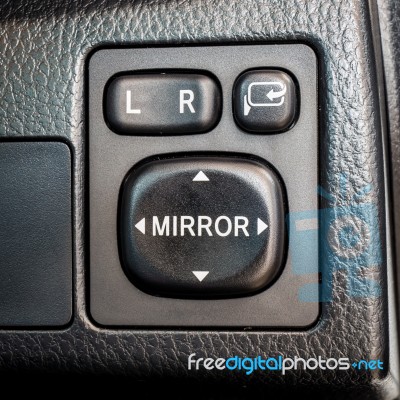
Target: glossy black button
{"x": 265, "y": 101}
{"x": 162, "y": 103}
{"x": 202, "y": 226}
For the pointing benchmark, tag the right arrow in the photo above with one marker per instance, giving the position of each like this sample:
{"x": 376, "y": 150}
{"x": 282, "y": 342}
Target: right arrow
{"x": 261, "y": 226}
{"x": 141, "y": 225}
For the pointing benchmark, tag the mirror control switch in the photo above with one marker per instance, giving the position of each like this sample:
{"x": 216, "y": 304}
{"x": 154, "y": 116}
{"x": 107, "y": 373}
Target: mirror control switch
{"x": 202, "y": 226}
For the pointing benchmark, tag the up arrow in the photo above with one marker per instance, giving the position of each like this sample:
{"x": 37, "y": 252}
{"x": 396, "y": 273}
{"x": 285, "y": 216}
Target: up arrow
{"x": 261, "y": 226}
{"x": 200, "y": 275}
{"x": 201, "y": 177}
{"x": 141, "y": 225}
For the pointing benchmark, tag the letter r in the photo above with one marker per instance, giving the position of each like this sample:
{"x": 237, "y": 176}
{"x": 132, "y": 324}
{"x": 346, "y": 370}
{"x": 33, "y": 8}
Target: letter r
{"x": 186, "y": 97}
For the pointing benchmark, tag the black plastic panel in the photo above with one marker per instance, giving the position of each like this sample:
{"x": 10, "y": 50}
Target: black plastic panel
{"x": 35, "y": 234}
{"x": 113, "y": 298}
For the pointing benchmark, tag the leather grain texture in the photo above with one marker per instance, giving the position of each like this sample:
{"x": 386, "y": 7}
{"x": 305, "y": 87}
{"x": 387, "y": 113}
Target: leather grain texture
{"x": 44, "y": 45}
{"x": 389, "y": 16}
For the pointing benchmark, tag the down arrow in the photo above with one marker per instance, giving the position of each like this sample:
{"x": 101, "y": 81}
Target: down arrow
{"x": 200, "y": 275}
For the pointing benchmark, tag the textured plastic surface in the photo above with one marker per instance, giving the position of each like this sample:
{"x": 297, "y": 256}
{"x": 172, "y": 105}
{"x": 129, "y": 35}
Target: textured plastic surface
{"x": 202, "y": 227}
{"x": 389, "y": 14}
{"x": 44, "y": 46}
{"x": 35, "y": 234}
{"x": 293, "y": 154}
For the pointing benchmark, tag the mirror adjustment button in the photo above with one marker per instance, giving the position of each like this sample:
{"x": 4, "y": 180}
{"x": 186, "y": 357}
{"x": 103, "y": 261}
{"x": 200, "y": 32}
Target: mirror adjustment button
{"x": 202, "y": 226}
{"x": 162, "y": 103}
{"x": 265, "y": 101}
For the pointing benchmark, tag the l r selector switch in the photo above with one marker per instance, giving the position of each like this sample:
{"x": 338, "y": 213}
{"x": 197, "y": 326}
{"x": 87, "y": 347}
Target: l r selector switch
{"x": 202, "y": 226}
{"x": 163, "y": 103}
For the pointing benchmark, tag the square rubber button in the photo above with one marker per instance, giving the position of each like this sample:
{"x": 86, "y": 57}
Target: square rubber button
{"x": 265, "y": 101}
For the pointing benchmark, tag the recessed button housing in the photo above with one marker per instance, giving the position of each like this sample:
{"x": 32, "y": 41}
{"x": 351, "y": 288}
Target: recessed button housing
{"x": 121, "y": 290}
{"x": 265, "y": 101}
{"x": 202, "y": 226}
{"x": 162, "y": 103}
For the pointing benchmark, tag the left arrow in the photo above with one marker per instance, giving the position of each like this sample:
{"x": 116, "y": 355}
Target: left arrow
{"x": 272, "y": 95}
{"x": 141, "y": 225}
